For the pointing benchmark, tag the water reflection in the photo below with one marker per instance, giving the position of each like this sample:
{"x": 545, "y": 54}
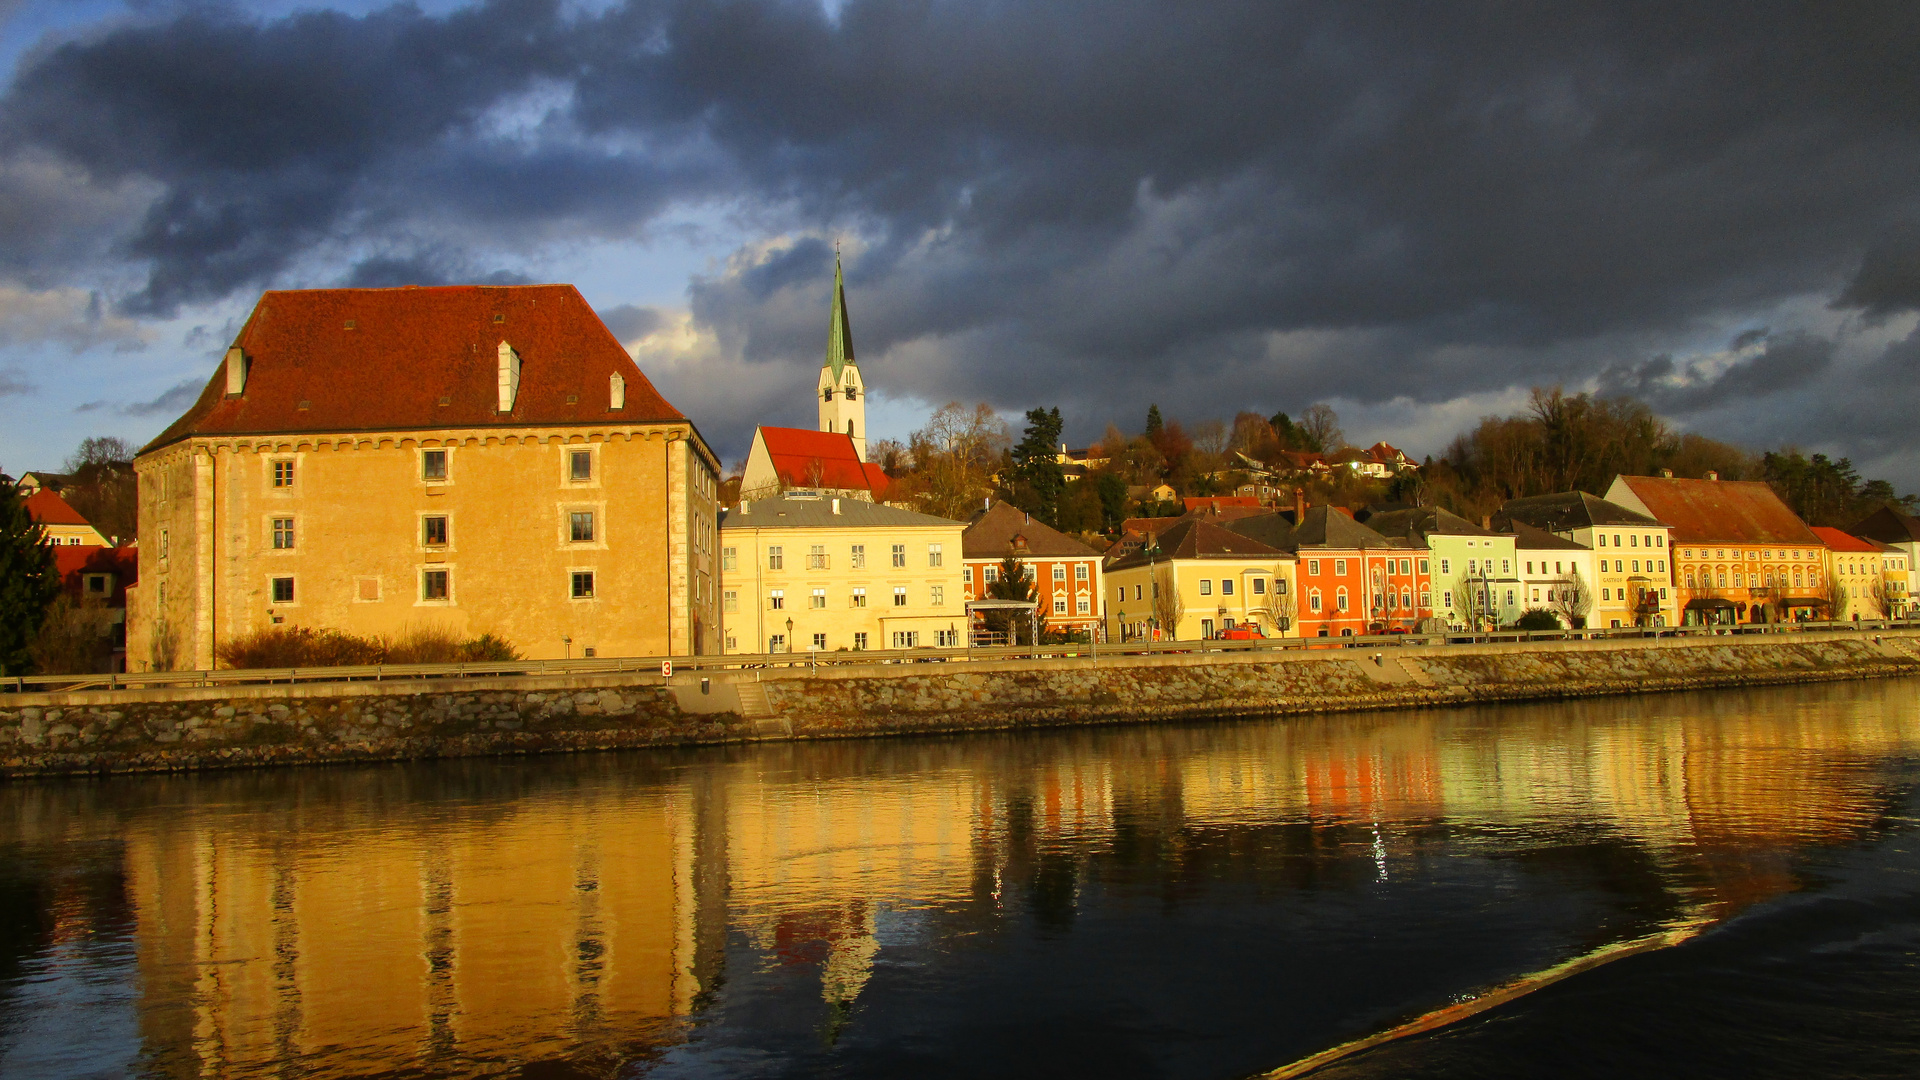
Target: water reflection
{"x": 1204, "y": 901}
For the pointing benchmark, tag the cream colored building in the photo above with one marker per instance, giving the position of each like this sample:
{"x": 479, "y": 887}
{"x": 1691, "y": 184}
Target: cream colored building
{"x": 1200, "y": 580}
{"x": 1631, "y": 568}
{"x": 59, "y": 522}
{"x": 1858, "y": 567}
{"x": 820, "y": 573}
{"x": 480, "y": 459}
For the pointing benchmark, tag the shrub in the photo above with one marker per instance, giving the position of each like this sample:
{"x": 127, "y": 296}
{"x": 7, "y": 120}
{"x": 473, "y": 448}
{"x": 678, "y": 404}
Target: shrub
{"x": 301, "y": 647}
{"x": 1537, "y": 619}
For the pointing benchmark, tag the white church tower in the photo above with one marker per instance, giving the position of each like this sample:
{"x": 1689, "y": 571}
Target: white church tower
{"x": 843, "y": 400}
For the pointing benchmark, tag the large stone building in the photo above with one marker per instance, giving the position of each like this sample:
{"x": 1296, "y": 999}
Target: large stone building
{"x": 479, "y": 459}
{"x": 806, "y": 572}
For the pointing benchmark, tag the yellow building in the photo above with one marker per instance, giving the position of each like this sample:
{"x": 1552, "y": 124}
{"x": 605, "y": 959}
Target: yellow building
{"x": 805, "y": 572}
{"x": 59, "y": 522}
{"x": 1857, "y": 571}
{"x": 1899, "y": 535}
{"x": 485, "y": 460}
{"x": 1199, "y": 581}
{"x": 1739, "y": 554}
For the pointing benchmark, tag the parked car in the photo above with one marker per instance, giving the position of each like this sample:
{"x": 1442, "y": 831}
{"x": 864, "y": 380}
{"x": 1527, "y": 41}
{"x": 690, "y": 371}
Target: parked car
{"x": 1242, "y": 632}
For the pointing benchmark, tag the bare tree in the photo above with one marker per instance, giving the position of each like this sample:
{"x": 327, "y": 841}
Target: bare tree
{"x": 1572, "y": 599}
{"x": 1281, "y": 606}
{"x": 1472, "y": 598}
{"x": 1168, "y": 607}
{"x": 1322, "y": 425}
{"x": 953, "y": 459}
{"x": 1831, "y": 597}
{"x": 1873, "y": 598}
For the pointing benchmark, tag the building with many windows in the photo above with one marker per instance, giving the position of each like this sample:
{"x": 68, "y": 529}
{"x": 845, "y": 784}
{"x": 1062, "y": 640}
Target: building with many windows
{"x": 1901, "y": 534}
{"x": 475, "y": 459}
{"x": 1350, "y": 579}
{"x": 1737, "y": 553}
{"x": 1856, "y": 575}
{"x": 805, "y": 572}
{"x": 1065, "y": 572}
{"x": 1197, "y": 581}
{"x": 1556, "y": 574}
{"x": 1631, "y": 562}
{"x": 1476, "y": 582}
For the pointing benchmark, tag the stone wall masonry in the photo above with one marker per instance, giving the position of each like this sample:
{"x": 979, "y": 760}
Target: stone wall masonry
{"x": 229, "y": 726}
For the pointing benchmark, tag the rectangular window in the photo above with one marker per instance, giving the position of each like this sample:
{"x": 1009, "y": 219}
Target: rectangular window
{"x": 1079, "y": 571}
{"x": 1423, "y": 566}
{"x": 580, "y": 464}
{"x": 1444, "y": 568}
{"x": 860, "y": 641}
{"x": 1060, "y": 605}
{"x": 433, "y": 531}
{"x": 859, "y": 556}
{"x": 1206, "y": 586}
{"x": 1136, "y": 592}
{"x": 433, "y": 465}
{"x": 1083, "y": 605}
{"x": 899, "y": 596}
{"x": 1313, "y": 603}
{"x": 580, "y": 525}
{"x": 819, "y": 643}
{"x": 433, "y": 585}
{"x": 934, "y": 555}
{"x": 817, "y": 557}
{"x": 1313, "y": 567}
{"x": 776, "y": 599}
{"x": 583, "y": 584}
{"x": 776, "y": 558}
{"x": 283, "y": 474}
{"x": 1405, "y": 565}
{"x": 1259, "y": 586}
{"x": 1340, "y": 567}
{"x": 991, "y": 574}
{"x": 1226, "y": 586}
{"x": 283, "y": 534}
{"x": 163, "y": 543}
{"x": 1446, "y": 599}
{"x": 937, "y": 595}
{"x": 777, "y": 643}
{"x": 1506, "y": 566}
{"x": 729, "y": 558}
{"x": 906, "y": 639}
{"x": 859, "y": 597}
{"x": 1059, "y": 571}
{"x": 283, "y": 590}
{"x": 899, "y": 554}
{"x": 730, "y": 600}
{"x": 946, "y": 639}
{"x": 818, "y": 599}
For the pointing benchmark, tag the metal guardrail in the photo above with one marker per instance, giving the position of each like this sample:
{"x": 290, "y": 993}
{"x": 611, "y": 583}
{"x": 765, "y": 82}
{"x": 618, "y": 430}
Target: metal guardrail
{"x": 650, "y": 669}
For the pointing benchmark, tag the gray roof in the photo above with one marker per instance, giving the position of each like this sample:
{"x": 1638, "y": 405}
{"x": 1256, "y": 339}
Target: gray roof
{"x": 1417, "y": 523}
{"x": 1565, "y": 511}
{"x": 787, "y": 512}
{"x": 1323, "y": 526}
{"x": 1528, "y": 538}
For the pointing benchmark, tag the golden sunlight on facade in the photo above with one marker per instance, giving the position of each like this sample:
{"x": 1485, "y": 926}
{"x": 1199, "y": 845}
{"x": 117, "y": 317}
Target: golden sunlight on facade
{"x": 474, "y": 459}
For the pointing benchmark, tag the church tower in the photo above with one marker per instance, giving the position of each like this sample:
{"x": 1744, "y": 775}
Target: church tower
{"x": 843, "y": 400}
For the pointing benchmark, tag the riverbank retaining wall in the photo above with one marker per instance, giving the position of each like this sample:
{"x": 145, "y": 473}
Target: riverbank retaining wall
{"x": 246, "y": 725}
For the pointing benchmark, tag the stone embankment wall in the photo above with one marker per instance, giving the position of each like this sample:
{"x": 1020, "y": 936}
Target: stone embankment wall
{"x": 144, "y": 730}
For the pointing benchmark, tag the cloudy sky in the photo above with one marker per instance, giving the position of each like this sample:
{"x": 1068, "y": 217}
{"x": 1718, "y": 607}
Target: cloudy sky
{"x": 1412, "y": 211}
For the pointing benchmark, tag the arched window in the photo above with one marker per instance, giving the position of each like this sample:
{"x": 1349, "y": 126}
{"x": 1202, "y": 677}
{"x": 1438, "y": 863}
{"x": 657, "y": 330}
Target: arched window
{"x": 849, "y": 427}
{"x": 1689, "y": 579}
{"x": 1340, "y": 599}
{"x": 1313, "y": 600}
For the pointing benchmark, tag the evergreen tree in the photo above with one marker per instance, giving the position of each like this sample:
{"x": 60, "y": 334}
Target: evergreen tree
{"x": 1039, "y": 482}
{"x": 1016, "y": 582}
{"x": 28, "y": 582}
{"x": 1113, "y": 501}
{"x": 1154, "y": 423}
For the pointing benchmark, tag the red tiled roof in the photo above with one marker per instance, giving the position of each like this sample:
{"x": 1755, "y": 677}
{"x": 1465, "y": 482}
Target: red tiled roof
{"x": 1838, "y": 540}
{"x": 48, "y": 508}
{"x": 1216, "y": 502}
{"x": 991, "y": 533}
{"x": 73, "y": 560}
{"x": 409, "y": 348}
{"x": 821, "y": 459}
{"x": 1720, "y": 511}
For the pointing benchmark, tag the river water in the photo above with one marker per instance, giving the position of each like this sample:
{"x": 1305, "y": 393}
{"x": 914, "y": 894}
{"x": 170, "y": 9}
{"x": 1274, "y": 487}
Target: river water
{"x": 1716, "y": 884}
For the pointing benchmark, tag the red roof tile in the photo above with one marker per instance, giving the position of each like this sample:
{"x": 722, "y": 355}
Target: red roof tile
{"x": 48, "y": 508}
{"x": 821, "y": 459}
{"x": 1720, "y": 511}
{"x": 73, "y": 560}
{"x": 1838, "y": 540}
{"x": 409, "y": 348}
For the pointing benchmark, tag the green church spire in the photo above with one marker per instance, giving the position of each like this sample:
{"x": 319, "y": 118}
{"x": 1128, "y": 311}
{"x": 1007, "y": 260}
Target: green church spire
{"x": 840, "y": 334}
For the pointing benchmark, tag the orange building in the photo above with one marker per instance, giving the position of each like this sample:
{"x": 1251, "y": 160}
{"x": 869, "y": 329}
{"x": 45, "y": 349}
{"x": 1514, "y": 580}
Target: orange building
{"x": 1066, "y": 572}
{"x": 1352, "y": 580}
{"x": 1739, "y": 553}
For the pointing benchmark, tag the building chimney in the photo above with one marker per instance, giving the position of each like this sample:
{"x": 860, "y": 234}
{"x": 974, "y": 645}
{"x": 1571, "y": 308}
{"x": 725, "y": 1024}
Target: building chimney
{"x": 1486, "y": 522}
{"x": 617, "y": 391}
{"x": 509, "y": 376}
{"x": 1711, "y": 475}
{"x": 1299, "y": 505}
{"x": 236, "y": 372}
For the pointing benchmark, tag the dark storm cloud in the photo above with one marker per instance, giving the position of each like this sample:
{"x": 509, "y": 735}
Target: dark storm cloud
{"x": 1087, "y": 202}
{"x": 1782, "y": 362}
{"x": 172, "y": 402}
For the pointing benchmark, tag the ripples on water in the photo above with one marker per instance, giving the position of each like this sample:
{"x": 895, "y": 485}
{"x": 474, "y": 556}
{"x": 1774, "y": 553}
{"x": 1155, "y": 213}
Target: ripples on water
{"x": 1194, "y": 901}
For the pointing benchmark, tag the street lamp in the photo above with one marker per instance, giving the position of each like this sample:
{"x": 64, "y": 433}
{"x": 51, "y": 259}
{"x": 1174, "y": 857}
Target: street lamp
{"x": 789, "y": 635}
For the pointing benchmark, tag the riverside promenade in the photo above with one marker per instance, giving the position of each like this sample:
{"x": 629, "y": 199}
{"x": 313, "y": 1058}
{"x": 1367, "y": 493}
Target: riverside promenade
{"x": 225, "y": 719}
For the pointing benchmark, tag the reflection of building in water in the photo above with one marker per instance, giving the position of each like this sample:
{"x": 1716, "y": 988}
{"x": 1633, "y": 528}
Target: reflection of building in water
{"x": 506, "y": 939}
